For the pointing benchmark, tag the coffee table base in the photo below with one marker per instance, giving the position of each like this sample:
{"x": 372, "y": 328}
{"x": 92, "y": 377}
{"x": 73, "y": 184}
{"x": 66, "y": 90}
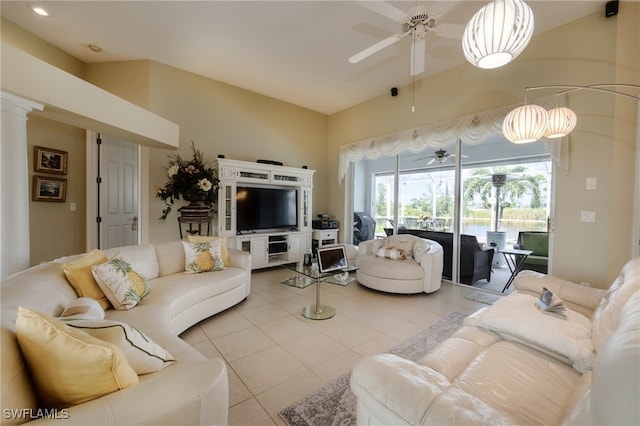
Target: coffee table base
{"x": 318, "y": 312}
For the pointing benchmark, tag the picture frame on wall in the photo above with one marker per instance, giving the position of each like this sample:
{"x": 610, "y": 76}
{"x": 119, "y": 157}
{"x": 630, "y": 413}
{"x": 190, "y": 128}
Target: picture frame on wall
{"x": 49, "y": 189}
{"x": 49, "y": 160}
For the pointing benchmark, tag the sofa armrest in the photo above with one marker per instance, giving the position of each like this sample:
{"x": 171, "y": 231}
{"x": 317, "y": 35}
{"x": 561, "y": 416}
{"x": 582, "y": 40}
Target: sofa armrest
{"x": 369, "y": 246}
{"x": 586, "y": 297}
{"x": 240, "y": 259}
{"x": 190, "y": 393}
{"x": 393, "y": 390}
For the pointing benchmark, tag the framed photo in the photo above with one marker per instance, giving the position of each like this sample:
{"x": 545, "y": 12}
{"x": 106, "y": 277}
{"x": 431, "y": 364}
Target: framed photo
{"x": 49, "y": 189}
{"x": 48, "y": 160}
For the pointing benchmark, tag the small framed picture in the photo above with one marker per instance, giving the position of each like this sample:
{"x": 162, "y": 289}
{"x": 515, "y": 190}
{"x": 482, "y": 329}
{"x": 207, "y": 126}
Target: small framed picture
{"x": 48, "y": 160}
{"x": 49, "y": 189}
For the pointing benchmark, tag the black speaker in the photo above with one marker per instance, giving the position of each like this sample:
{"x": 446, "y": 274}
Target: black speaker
{"x": 394, "y": 91}
{"x": 220, "y": 155}
{"x": 611, "y": 8}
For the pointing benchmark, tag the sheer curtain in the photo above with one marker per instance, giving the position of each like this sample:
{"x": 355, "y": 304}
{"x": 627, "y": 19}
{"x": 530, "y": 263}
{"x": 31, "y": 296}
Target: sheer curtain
{"x": 472, "y": 129}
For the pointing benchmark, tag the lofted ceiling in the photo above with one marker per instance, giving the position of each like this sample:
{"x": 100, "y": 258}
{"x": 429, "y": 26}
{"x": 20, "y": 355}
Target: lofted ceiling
{"x": 295, "y": 51}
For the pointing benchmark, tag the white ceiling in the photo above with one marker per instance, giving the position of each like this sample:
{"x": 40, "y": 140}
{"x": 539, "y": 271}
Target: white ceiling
{"x": 295, "y": 51}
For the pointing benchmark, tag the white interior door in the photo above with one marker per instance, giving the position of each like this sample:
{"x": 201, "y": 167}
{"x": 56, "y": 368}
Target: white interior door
{"x": 119, "y": 210}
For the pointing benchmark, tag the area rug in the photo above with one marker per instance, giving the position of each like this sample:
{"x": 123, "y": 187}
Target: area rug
{"x": 334, "y": 404}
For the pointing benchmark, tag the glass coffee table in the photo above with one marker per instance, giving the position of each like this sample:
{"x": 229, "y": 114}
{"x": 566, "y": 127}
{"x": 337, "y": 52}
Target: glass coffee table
{"x": 310, "y": 275}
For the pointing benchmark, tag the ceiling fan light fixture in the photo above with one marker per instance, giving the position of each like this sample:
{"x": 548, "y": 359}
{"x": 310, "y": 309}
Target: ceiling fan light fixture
{"x": 562, "y": 121}
{"x": 498, "y": 33}
{"x": 525, "y": 124}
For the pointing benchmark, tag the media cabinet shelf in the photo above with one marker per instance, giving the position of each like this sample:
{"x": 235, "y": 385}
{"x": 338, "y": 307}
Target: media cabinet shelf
{"x": 272, "y": 247}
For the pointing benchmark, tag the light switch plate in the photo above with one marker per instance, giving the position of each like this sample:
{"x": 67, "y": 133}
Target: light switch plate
{"x": 587, "y": 216}
{"x": 592, "y": 183}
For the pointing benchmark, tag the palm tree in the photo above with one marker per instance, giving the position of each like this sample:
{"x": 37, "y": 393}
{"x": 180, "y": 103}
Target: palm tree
{"x": 510, "y": 183}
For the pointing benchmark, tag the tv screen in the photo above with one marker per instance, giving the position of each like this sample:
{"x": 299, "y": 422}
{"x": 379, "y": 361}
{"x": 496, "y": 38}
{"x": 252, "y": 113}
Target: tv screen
{"x": 266, "y": 208}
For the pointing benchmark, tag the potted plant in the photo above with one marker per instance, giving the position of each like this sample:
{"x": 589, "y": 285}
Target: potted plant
{"x": 193, "y": 180}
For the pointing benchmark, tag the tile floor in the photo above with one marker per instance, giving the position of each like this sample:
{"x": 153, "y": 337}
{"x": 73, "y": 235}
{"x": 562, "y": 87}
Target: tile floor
{"x": 275, "y": 356}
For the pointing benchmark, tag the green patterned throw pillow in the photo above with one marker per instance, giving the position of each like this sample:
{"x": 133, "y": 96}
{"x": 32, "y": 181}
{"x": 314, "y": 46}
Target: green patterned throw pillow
{"x": 203, "y": 256}
{"x": 123, "y": 285}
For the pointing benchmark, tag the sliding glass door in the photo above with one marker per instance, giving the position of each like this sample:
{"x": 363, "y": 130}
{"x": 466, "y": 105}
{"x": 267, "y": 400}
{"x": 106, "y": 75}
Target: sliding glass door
{"x": 467, "y": 197}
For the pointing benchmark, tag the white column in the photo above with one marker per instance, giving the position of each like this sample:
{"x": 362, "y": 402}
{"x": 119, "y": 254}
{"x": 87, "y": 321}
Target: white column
{"x": 14, "y": 184}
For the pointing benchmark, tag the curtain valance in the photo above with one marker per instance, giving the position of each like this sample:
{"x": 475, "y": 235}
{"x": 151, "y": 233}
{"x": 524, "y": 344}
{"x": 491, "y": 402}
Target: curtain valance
{"x": 472, "y": 129}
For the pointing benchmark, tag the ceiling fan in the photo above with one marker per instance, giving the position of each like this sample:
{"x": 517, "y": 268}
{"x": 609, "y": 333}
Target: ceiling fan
{"x": 440, "y": 156}
{"x": 416, "y": 24}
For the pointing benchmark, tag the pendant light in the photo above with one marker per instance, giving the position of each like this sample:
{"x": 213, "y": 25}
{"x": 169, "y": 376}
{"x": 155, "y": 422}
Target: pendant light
{"x": 525, "y": 124}
{"x": 561, "y": 122}
{"x": 498, "y": 33}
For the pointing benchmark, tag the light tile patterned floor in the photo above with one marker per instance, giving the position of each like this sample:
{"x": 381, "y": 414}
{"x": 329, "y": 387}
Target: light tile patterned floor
{"x": 275, "y": 356}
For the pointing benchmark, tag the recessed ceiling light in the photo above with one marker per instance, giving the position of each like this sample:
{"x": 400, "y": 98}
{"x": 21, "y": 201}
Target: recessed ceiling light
{"x": 39, "y": 10}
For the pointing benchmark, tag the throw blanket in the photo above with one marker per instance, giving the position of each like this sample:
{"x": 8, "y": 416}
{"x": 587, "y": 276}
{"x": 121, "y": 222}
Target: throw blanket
{"x": 517, "y": 318}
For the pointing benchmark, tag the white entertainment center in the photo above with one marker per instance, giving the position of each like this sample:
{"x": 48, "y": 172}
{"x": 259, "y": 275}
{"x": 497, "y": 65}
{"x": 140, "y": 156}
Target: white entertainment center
{"x": 268, "y": 247}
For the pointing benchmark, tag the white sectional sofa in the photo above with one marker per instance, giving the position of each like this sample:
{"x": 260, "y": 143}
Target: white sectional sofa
{"x": 518, "y": 369}
{"x": 193, "y": 390}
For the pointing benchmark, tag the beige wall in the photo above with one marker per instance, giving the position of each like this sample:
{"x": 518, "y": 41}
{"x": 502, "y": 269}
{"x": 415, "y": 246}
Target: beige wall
{"x": 55, "y": 230}
{"x": 219, "y": 119}
{"x": 586, "y": 51}
{"x": 26, "y": 41}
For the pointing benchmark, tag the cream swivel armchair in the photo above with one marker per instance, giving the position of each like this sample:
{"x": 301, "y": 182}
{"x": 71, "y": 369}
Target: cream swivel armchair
{"x": 381, "y": 266}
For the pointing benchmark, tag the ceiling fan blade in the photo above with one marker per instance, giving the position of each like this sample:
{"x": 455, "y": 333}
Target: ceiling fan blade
{"x": 432, "y": 161}
{"x": 376, "y": 47}
{"x": 384, "y": 9}
{"x": 423, "y": 158}
{"x": 417, "y": 57}
{"x": 449, "y": 30}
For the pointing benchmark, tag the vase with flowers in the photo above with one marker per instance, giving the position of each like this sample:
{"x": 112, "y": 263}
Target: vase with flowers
{"x": 193, "y": 180}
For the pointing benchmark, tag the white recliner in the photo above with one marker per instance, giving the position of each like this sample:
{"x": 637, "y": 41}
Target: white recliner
{"x": 422, "y": 272}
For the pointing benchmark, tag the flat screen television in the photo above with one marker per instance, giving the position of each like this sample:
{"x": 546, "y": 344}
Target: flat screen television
{"x": 263, "y": 209}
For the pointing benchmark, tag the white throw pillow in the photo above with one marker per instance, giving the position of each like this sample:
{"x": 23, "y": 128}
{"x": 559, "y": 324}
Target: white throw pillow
{"x": 392, "y": 253}
{"x": 401, "y": 244}
{"x": 143, "y": 354}
{"x": 203, "y": 256}
{"x": 120, "y": 281}
{"x": 83, "y": 308}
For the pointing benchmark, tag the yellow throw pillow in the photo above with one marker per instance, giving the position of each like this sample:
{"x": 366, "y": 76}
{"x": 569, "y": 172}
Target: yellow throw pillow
{"x": 121, "y": 282}
{"x": 202, "y": 257}
{"x": 224, "y": 252}
{"x": 68, "y": 366}
{"x": 79, "y": 275}
{"x": 144, "y": 355}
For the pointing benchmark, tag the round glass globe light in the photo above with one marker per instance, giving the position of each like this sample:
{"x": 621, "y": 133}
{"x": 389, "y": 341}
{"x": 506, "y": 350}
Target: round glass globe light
{"x": 525, "y": 124}
{"x": 498, "y": 33}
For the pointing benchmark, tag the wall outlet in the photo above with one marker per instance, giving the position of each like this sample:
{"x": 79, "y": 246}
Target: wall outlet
{"x": 587, "y": 216}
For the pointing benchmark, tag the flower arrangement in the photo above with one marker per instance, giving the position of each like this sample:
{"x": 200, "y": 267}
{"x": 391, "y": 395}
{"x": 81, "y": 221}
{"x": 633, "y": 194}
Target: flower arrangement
{"x": 192, "y": 180}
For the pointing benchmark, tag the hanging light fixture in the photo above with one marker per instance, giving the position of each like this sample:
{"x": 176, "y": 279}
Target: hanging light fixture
{"x": 498, "y": 33}
{"x": 529, "y": 123}
{"x": 562, "y": 121}
{"x": 525, "y": 124}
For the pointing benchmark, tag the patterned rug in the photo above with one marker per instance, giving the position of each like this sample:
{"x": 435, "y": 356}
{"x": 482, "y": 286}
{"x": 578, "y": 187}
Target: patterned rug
{"x": 334, "y": 404}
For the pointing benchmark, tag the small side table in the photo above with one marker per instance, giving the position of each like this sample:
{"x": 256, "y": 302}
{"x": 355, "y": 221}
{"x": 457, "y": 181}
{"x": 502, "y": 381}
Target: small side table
{"x": 195, "y": 225}
{"x": 323, "y": 237}
{"x": 511, "y": 257}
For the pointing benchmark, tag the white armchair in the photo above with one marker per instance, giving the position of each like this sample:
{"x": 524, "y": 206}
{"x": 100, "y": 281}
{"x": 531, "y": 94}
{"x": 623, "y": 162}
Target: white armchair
{"x": 422, "y": 272}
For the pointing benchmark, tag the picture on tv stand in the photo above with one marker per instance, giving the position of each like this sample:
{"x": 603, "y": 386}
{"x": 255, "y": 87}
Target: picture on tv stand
{"x": 261, "y": 209}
